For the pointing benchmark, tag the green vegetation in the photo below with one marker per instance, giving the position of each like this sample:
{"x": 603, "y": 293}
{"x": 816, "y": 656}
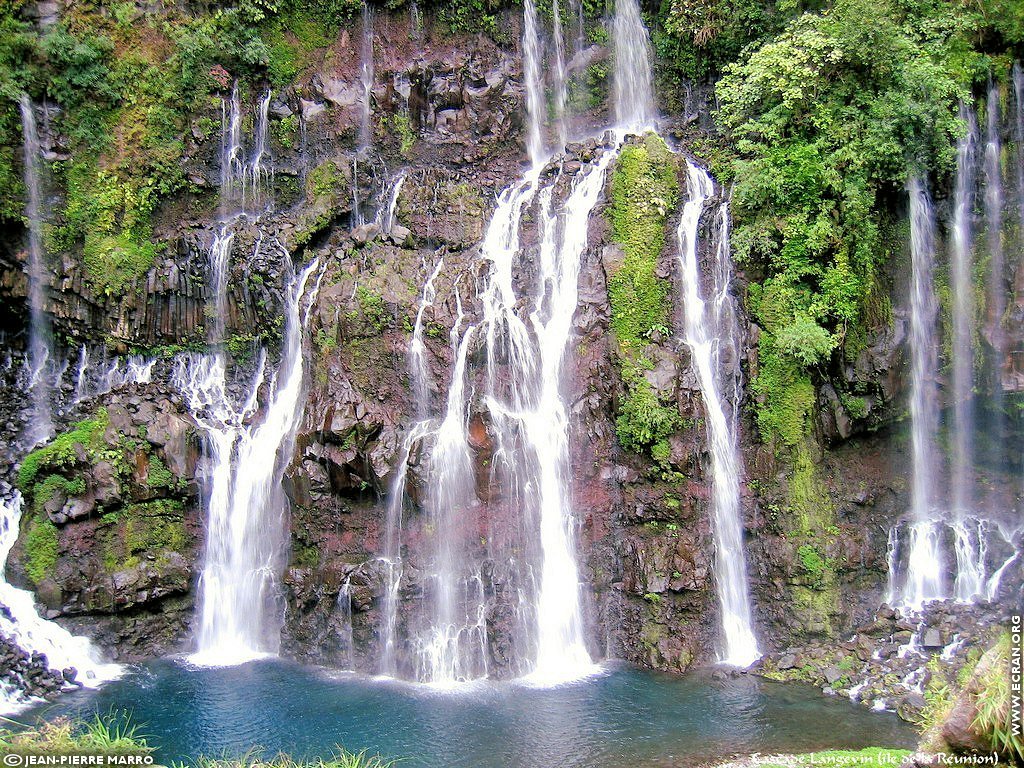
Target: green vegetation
{"x": 643, "y": 421}
{"x": 115, "y": 734}
{"x": 327, "y": 183}
{"x": 53, "y": 486}
{"x": 824, "y": 118}
{"x": 150, "y": 527}
{"x": 397, "y": 127}
{"x": 371, "y": 308}
{"x": 61, "y": 452}
{"x": 994, "y": 719}
{"x": 644, "y": 189}
{"x": 41, "y": 548}
{"x": 158, "y": 475}
{"x": 471, "y": 16}
{"x": 109, "y": 735}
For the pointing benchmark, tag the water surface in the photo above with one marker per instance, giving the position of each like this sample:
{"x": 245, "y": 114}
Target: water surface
{"x": 624, "y": 717}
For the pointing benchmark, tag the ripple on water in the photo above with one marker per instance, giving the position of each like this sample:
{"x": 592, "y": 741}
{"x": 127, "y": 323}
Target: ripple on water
{"x": 619, "y": 716}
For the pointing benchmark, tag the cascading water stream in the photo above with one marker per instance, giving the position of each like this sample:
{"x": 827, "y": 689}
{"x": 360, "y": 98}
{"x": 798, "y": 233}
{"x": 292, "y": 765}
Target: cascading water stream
{"x": 559, "y": 76}
{"x": 392, "y": 555}
{"x": 220, "y": 266}
{"x": 239, "y": 616}
{"x": 633, "y": 85}
{"x": 968, "y": 533}
{"x": 454, "y": 647}
{"x": 386, "y": 215}
{"x": 258, "y": 176}
{"x": 366, "y": 81}
{"x": 708, "y": 328}
{"x": 232, "y": 162}
{"x": 81, "y": 371}
{"x": 532, "y": 55}
{"x": 20, "y": 622}
{"x": 40, "y": 423}
{"x": 244, "y": 184}
{"x": 561, "y": 647}
{"x": 996, "y": 301}
{"x": 517, "y": 407}
{"x": 249, "y": 443}
{"x": 924, "y": 576}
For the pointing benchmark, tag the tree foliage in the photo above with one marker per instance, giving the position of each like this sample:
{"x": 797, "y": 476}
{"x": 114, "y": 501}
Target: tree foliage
{"x": 825, "y": 119}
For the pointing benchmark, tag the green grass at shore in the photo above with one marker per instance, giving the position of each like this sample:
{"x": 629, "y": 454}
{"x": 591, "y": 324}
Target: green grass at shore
{"x": 117, "y": 735}
{"x": 113, "y": 735}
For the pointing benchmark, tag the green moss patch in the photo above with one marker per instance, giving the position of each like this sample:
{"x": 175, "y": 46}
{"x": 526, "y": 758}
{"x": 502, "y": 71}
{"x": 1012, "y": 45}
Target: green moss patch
{"x": 644, "y": 189}
{"x": 41, "y": 549}
{"x": 61, "y": 452}
{"x": 138, "y": 529}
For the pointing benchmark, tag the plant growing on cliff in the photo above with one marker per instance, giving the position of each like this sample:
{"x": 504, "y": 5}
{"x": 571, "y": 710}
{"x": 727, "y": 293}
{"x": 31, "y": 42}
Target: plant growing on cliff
{"x": 62, "y": 451}
{"x": 643, "y": 189}
{"x": 41, "y": 548}
{"x": 824, "y": 119}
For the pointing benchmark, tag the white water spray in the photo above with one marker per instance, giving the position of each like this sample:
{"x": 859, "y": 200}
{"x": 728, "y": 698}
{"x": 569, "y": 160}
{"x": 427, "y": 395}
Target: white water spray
{"x": 532, "y": 55}
{"x": 924, "y": 577}
{"x": 962, "y": 288}
{"x": 40, "y": 423}
{"x": 709, "y": 330}
{"x": 634, "y": 94}
{"x": 25, "y": 627}
{"x": 239, "y": 617}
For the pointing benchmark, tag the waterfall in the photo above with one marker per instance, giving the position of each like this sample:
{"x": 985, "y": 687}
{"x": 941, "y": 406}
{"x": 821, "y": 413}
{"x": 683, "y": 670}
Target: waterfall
{"x": 532, "y": 55}
{"x": 528, "y": 424}
{"x": 246, "y": 535}
{"x": 345, "y": 609}
{"x": 40, "y": 425}
{"x": 417, "y": 349}
{"x": 709, "y": 330}
{"x": 994, "y": 200}
{"x": 81, "y": 371}
{"x": 366, "y": 80}
{"x": 357, "y": 213}
{"x": 970, "y": 545}
{"x": 561, "y": 650}
{"x": 454, "y": 647}
{"x": 634, "y": 95}
{"x": 385, "y": 218}
{"x": 1018, "y": 98}
{"x": 29, "y": 631}
{"x": 258, "y": 173}
{"x": 243, "y": 182}
{"x": 559, "y": 74}
{"x": 962, "y": 288}
{"x": 392, "y": 556}
{"x": 924, "y": 577}
{"x": 220, "y": 267}
{"x": 232, "y": 164}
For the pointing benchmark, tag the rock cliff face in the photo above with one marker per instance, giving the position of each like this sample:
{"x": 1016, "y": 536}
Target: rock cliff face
{"x": 112, "y": 545}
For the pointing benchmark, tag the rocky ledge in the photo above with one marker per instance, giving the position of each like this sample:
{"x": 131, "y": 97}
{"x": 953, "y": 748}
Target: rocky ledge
{"x": 896, "y": 662}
